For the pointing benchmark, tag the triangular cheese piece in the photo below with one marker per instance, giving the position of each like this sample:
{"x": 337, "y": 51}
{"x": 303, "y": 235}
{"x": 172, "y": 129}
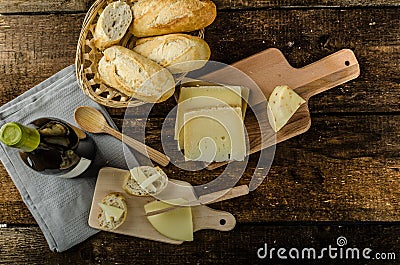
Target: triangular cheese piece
{"x": 175, "y": 224}
{"x": 111, "y": 212}
{"x": 282, "y": 104}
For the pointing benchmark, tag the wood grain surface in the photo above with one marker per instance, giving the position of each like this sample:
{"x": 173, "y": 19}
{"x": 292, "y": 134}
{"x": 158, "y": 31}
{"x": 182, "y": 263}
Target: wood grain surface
{"x": 341, "y": 178}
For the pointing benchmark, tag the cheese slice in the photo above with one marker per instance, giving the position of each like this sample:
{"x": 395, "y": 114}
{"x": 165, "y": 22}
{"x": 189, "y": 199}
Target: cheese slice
{"x": 223, "y": 126}
{"x": 111, "y": 212}
{"x": 195, "y": 103}
{"x": 176, "y": 224}
{"x": 282, "y": 104}
{"x": 231, "y": 95}
{"x": 197, "y": 97}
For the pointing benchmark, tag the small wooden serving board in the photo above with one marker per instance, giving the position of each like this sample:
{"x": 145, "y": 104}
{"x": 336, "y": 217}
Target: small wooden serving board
{"x": 269, "y": 69}
{"x": 136, "y": 223}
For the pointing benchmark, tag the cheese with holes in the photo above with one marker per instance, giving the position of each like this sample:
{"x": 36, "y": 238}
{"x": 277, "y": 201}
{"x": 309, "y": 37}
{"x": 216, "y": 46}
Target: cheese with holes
{"x": 203, "y": 97}
{"x": 282, "y": 104}
{"x": 215, "y": 134}
{"x": 111, "y": 212}
{"x": 175, "y": 224}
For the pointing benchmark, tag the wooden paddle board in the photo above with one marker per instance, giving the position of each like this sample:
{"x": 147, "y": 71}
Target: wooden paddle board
{"x": 269, "y": 69}
{"x": 136, "y": 223}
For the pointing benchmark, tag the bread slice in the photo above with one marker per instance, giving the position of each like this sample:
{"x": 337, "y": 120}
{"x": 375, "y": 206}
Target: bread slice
{"x": 178, "y": 52}
{"x": 117, "y": 200}
{"x": 134, "y": 75}
{"x": 112, "y": 24}
{"x": 132, "y": 187}
{"x": 159, "y": 17}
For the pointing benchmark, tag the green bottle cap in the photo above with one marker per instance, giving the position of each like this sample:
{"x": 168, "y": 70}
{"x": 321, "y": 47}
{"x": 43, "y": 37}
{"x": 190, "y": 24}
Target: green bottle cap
{"x": 18, "y": 136}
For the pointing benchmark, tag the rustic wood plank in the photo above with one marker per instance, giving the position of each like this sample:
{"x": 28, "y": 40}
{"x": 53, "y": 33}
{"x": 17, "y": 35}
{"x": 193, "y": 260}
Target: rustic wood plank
{"x": 344, "y": 169}
{"x": 33, "y": 48}
{"x": 40, "y": 6}
{"x": 27, "y": 245}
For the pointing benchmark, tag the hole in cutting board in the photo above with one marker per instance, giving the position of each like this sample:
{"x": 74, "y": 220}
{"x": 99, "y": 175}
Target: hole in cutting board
{"x": 347, "y": 63}
{"x": 222, "y": 222}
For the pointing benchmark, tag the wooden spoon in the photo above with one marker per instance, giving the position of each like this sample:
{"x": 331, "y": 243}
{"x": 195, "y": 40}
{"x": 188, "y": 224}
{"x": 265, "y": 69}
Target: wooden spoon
{"x": 92, "y": 120}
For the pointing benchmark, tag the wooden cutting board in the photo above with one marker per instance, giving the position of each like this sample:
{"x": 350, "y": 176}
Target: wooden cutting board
{"x": 136, "y": 223}
{"x": 269, "y": 69}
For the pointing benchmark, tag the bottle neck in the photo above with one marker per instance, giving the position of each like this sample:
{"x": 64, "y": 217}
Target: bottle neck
{"x": 19, "y": 136}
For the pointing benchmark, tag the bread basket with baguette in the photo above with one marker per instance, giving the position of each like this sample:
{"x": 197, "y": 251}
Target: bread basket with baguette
{"x": 89, "y": 53}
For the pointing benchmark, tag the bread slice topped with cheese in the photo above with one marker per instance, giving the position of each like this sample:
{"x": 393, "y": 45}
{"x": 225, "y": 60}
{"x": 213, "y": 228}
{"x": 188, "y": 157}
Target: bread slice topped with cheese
{"x": 112, "y": 211}
{"x": 145, "y": 181}
{"x": 112, "y": 25}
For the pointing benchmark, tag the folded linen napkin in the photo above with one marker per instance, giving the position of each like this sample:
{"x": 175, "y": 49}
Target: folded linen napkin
{"x": 60, "y": 206}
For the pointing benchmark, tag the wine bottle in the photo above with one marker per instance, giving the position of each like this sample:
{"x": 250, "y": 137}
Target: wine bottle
{"x": 50, "y": 146}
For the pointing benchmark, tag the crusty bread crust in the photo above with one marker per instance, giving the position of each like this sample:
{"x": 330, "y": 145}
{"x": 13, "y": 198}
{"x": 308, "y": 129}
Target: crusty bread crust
{"x": 159, "y": 17}
{"x": 117, "y": 200}
{"x": 135, "y": 75}
{"x": 132, "y": 187}
{"x": 178, "y": 52}
{"x": 112, "y": 24}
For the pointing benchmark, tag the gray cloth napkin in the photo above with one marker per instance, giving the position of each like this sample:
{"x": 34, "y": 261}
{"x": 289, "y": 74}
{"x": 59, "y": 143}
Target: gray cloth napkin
{"x": 60, "y": 206}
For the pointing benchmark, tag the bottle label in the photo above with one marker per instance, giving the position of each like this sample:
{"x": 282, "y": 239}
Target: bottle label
{"x": 82, "y": 165}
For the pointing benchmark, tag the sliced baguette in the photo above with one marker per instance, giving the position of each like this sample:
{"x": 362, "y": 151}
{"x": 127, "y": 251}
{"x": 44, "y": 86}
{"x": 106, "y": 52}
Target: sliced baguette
{"x": 135, "y": 75}
{"x": 132, "y": 187}
{"x": 112, "y": 25}
{"x": 178, "y": 52}
{"x": 114, "y": 199}
{"x": 159, "y": 17}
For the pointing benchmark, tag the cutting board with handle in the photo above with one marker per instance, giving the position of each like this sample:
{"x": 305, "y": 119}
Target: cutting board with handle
{"x": 269, "y": 69}
{"x": 136, "y": 223}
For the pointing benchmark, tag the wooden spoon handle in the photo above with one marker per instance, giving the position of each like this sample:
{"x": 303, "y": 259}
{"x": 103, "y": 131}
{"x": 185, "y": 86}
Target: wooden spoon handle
{"x": 145, "y": 150}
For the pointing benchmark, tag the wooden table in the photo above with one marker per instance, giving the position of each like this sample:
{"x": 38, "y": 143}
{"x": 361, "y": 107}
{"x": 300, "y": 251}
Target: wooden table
{"x": 341, "y": 178}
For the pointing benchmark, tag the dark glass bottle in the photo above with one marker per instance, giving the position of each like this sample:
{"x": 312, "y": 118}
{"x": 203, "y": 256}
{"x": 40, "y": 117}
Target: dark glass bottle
{"x": 51, "y": 146}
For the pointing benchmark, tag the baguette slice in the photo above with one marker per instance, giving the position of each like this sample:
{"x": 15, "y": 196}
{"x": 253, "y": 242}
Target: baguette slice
{"x": 112, "y": 25}
{"x": 159, "y": 17}
{"x": 135, "y": 179}
{"x": 117, "y": 200}
{"x": 135, "y": 75}
{"x": 178, "y": 52}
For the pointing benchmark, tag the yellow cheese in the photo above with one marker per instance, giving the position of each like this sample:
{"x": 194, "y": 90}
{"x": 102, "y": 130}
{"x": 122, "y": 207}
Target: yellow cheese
{"x": 282, "y": 104}
{"x": 196, "y": 103}
{"x": 231, "y": 95}
{"x": 204, "y": 97}
{"x": 111, "y": 212}
{"x": 176, "y": 224}
{"x": 215, "y": 134}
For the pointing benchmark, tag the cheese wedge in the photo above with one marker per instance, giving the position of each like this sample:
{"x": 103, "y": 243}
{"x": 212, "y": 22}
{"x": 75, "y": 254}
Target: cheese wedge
{"x": 111, "y": 212}
{"x": 215, "y": 134}
{"x": 282, "y": 104}
{"x": 175, "y": 224}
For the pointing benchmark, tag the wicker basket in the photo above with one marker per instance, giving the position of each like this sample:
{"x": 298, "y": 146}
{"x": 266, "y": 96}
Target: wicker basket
{"x": 88, "y": 57}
